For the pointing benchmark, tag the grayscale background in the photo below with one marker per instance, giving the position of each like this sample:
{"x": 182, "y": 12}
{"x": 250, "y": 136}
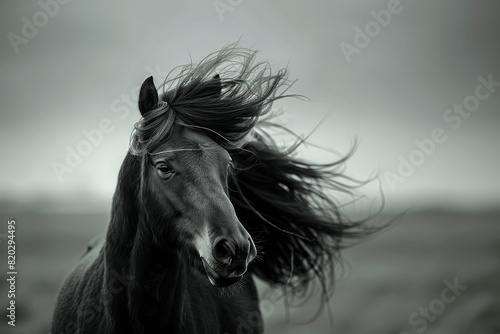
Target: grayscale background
{"x": 86, "y": 62}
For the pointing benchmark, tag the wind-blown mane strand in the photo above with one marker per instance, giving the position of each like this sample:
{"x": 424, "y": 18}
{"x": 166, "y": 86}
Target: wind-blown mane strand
{"x": 291, "y": 201}
{"x": 225, "y": 95}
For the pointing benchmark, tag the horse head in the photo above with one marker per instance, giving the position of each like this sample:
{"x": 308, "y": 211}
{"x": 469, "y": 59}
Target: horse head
{"x": 185, "y": 190}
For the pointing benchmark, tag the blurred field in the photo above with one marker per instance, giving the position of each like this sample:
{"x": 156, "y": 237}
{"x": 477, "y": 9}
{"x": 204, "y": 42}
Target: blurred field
{"x": 388, "y": 277}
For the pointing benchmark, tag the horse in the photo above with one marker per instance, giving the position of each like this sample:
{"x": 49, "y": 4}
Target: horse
{"x": 205, "y": 202}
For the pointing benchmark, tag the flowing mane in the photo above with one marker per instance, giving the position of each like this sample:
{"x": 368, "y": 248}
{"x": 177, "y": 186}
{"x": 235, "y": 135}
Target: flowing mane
{"x": 247, "y": 90}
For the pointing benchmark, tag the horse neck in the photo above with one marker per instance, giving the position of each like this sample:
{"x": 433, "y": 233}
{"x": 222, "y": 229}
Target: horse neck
{"x": 157, "y": 293}
{"x": 156, "y": 284}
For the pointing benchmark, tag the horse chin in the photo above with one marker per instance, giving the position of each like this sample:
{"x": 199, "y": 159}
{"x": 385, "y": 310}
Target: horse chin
{"x": 217, "y": 279}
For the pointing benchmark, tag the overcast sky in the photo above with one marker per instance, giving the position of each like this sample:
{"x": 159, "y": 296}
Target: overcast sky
{"x": 390, "y": 86}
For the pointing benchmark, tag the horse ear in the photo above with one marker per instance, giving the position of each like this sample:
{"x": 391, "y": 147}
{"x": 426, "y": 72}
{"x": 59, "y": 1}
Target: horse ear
{"x": 212, "y": 88}
{"x": 217, "y": 84}
{"x": 148, "y": 96}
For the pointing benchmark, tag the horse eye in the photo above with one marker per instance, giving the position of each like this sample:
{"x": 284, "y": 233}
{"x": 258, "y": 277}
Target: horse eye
{"x": 165, "y": 169}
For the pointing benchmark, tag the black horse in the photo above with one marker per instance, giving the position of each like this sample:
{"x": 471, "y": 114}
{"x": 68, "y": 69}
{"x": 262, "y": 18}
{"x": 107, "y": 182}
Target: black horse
{"x": 205, "y": 200}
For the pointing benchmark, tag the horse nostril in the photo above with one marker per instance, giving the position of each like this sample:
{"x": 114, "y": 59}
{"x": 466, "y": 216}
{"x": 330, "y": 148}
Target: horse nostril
{"x": 222, "y": 252}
